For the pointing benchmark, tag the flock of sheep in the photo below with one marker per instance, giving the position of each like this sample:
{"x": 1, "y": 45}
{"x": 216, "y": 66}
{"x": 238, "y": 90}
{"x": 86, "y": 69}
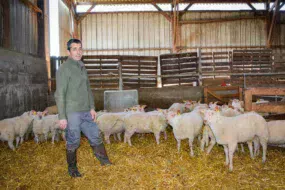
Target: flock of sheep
{"x": 227, "y": 125}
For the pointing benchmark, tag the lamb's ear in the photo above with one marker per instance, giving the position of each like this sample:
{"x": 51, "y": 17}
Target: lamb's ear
{"x": 178, "y": 112}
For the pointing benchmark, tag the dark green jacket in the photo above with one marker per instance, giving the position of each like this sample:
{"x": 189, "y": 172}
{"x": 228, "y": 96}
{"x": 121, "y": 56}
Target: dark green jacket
{"x": 73, "y": 93}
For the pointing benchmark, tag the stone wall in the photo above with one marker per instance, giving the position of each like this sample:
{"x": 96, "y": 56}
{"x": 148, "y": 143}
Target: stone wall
{"x": 23, "y": 83}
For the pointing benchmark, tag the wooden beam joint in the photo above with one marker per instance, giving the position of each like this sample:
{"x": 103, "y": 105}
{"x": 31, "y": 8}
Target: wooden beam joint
{"x": 31, "y": 6}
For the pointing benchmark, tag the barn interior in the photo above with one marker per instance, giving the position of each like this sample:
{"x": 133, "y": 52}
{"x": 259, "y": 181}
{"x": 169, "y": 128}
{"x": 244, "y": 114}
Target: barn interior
{"x": 167, "y": 51}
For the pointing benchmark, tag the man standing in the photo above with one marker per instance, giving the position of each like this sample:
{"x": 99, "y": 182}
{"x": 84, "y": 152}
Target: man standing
{"x": 76, "y": 108}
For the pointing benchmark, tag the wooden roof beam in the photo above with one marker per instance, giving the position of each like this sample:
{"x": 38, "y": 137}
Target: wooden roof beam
{"x": 185, "y": 10}
{"x": 281, "y": 5}
{"x": 109, "y": 2}
{"x": 32, "y": 6}
{"x": 252, "y": 7}
{"x": 79, "y": 19}
{"x": 162, "y": 12}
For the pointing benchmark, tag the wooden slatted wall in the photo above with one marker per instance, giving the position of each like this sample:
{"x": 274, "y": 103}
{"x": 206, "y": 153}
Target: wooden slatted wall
{"x": 252, "y": 61}
{"x": 216, "y": 62}
{"x": 102, "y": 71}
{"x": 141, "y": 70}
{"x": 173, "y": 65}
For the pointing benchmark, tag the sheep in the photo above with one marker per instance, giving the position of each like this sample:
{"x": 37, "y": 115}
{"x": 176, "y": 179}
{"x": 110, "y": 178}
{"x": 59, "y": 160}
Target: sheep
{"x": 136, "y": 108}
{"x": 276, "y": 134}
{"x": 237, "y": 104}
{"x": 15, "y": 127}
{"x": 7, "y": 132}
{"x": 187, "y": 125}
{"x": 111, "y": 123}
{"x": 144, "y": 123}
{"x": 49, "y": 123}
{"x": 229, "y": 131}
{"x": 177, "y": 107}
{"x": 207, "y": 132}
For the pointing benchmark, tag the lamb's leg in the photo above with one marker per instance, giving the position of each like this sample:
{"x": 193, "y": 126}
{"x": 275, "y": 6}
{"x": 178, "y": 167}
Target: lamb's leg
{"x": 191, "y": 147}
{"x": 165, "y": 135}
{"x": 232, "y": 148}
{"x": 37, "y": 138}
{"x": 157, "y": 136}
{"x": 128, "y": 135}
{"x": 263, "y": 143}
{"x": 249, "y": 144}
{"x": 212, "y": 144}
{"x": 242, "y": 148}
{"x": 178, "y": 144}
{"x": 17, "y": 141}
{"x": 119, "y": 136}
{"x": 226, "y": 150}
{"x": 125, "y": 137}
{"x": 207, "y": 131}
{"x": 115, "y": 137}
{"x": 107, "y": 138}
{"x": 53, "y": 133}
{"x": 204, "y": 140}
{"x": 10, "y": 144}
{"x": 256, "y": 146}
{"x": 22, "y": 139}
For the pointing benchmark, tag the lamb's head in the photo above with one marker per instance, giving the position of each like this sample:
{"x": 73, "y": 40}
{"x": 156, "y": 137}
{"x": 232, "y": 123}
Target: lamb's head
{"x": 210, "y": 115}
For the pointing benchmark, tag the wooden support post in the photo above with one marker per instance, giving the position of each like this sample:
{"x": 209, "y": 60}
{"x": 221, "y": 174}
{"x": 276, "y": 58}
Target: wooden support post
{"x": 206, "y": 95}
{"x": 240, "y": 93}
{"x": 248, "y": 100}
{"x": 199, "y": 66}
{"x": 273, "y": 22}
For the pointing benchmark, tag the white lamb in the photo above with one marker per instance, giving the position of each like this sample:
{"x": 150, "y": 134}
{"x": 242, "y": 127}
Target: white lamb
{"x": 49, "y": 123}
{"x": 15, "y": 127}
{"x": 276, "y": 132}
{"x": 229, "y": 131}
{"x": 144, "y": 123}
{"x": 111, "y": 123}
{"x": 187, "y": 125}
{"x": 207, "y": 132}
{"x": 177, "y": 107}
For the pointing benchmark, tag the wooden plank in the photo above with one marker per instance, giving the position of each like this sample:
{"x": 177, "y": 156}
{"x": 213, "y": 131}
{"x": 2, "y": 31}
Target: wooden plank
{"x": 272, "y": 108}
{"x": 268, "y": 91}
{"x": 136, "y": 63}
{"x": 98, "y": 67}
{"x": 101, "y": 62}
{"x": 142, "y": 72}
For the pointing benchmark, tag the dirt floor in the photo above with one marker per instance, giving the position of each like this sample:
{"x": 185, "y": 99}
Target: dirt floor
{"x": 145, "y": 165}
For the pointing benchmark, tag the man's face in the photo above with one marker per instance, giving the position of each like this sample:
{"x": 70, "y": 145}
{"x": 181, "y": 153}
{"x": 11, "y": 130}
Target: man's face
{"x": 75, "y": 51}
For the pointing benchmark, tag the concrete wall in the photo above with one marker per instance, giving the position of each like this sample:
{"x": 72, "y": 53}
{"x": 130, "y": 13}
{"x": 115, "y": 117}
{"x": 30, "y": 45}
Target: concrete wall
{"x": 23, "y": 83}
{"x": 158, "y": 97}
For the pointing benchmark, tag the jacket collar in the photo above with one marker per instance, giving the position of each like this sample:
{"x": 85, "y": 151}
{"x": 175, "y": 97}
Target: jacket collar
{"x": 80, "y": 63}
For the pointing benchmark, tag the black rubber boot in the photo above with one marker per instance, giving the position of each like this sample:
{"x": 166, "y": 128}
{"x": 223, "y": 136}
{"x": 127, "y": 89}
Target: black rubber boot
{"x": 101, "y": 154}
{"x": 72, "y": 163}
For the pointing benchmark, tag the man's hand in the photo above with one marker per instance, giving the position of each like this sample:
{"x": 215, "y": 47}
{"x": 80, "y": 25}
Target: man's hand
{"x": 62, "y": 124}
{"x": 93, "y": 114}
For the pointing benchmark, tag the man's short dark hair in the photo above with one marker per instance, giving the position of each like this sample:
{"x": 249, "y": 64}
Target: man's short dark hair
{"x": 72, "y": 41}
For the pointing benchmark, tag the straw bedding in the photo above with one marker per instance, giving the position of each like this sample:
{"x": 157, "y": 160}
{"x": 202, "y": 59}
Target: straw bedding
{"x": 145, "y": 165}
